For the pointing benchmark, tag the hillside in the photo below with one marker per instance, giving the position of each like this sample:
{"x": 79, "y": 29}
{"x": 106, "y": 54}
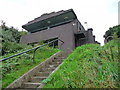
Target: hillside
{"x": 17, "y": 66}
{"x": 13, "y": 68}
{"x": 89, "y": 66}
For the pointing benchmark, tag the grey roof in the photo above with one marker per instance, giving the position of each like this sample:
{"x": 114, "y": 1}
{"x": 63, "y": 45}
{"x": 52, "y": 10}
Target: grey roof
{"x": 50, "y": 20}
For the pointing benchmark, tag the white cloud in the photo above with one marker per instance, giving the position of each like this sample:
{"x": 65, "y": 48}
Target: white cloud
{"x": 100, "y": 14}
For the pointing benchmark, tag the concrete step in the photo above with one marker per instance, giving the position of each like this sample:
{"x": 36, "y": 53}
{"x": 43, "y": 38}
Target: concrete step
{"x": 23, "y": 89}
{"x": 43, "y": 74}
{"x": 54, "y": 63}
{"x": 60, "y": 58}
{"x": 48, "y": 69}
{"x": 34, "y": 77}
{"x": 57, "y": 60}
{"x": 34, "y": 82}
{"x": 31, "y": 85}
{"x": 53, "y": 66}
{"x": 37, "y": 79}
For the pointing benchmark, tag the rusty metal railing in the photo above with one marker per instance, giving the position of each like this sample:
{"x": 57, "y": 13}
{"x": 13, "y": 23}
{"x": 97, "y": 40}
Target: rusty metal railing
{"x": 35, "y": 49}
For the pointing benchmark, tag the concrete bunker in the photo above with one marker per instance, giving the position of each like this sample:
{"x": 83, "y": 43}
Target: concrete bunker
{"x": 63, "y": 25}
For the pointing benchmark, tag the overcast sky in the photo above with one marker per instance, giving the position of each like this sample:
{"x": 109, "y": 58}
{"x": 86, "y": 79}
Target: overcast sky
{"x": 99, "y": 14}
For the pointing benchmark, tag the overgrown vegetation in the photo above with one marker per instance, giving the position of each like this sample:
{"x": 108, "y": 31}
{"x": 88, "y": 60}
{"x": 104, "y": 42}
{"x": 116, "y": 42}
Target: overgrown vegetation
{"x": 10, "y": 37}
{"x": 15, "y": 67}
{"x": 112, "y": 31}
{"x": 89, "y": 66}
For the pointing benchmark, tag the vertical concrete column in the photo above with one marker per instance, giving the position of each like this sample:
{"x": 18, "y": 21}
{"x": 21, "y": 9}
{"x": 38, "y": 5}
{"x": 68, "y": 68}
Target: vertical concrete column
{"x": 69, "y": 41}
{"x": 94, "y": 38}
{"x": 90, "y": 36}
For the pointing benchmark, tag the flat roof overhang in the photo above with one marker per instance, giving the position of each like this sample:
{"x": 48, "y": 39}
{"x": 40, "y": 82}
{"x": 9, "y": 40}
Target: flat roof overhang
{"x": 80, "y": 35}
{"x": 60, "y": 19}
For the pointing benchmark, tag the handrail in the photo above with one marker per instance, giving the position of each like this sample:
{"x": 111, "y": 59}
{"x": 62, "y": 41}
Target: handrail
{"x": 30, "y": 50}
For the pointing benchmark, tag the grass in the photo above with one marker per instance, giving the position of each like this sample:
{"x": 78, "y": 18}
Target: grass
{"x": 17, "y": 66}
{"x": 89, "y": 66}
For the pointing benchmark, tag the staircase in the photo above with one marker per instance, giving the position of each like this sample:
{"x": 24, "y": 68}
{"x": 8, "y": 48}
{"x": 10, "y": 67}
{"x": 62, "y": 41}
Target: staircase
{"x": 34, "y": 77}
{"x": 43, "y": 73}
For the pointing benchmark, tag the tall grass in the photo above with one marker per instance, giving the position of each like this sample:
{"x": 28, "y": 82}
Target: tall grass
{"x": 89, "y": 66}
{"x": 17, "y": 66}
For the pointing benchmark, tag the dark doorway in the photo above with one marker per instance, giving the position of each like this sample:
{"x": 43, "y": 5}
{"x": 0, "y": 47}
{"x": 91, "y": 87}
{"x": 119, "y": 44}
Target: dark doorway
{"x": 79, "y": 39}
{"x": 54, "y": 44}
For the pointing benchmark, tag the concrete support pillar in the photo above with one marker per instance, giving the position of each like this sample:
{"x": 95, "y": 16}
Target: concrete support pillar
{"x": 90, "y": 36}
{"x": 69, "y": 41}
{"x": 94, "y": 38}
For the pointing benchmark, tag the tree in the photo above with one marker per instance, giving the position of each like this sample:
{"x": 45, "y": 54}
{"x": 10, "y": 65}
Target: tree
{"x": 112, "y": 31}
{"x": 10, "y": 38}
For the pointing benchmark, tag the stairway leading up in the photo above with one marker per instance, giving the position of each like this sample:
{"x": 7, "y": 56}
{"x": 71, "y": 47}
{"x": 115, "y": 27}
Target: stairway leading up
{"x": 34, "y": 77}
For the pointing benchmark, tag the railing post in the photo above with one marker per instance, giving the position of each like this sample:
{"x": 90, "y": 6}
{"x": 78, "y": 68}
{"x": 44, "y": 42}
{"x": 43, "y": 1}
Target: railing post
{"x": 33, "y": 59}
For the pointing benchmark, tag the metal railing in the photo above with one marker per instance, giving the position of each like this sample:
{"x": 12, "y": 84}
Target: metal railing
{"x": 31, "y": 50}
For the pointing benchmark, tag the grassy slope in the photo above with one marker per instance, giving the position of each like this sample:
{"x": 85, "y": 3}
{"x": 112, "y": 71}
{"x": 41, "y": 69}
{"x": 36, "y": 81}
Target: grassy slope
{"x": 89, "y": 66}
{"x": 21, "y": 64}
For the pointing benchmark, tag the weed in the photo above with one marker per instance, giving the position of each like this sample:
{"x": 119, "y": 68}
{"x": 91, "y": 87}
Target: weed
{"x": 17, "y": 66}
{"x": 89, "y": 66}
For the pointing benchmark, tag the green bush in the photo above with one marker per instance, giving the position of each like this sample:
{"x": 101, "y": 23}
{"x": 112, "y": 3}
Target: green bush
{"x": 11, "y": 47}
{"x": 10, "y": 37}
{"x": 112, "y": 30}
